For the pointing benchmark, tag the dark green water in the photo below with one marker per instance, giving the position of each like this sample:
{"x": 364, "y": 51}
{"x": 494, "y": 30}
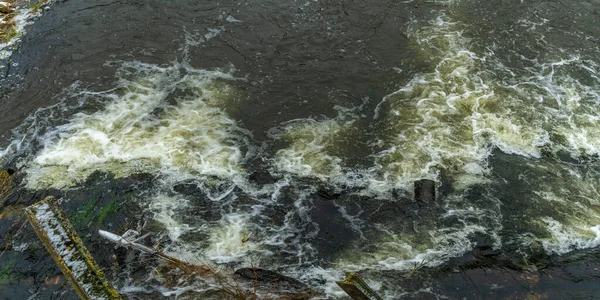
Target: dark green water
{"x": 304, "y": 124}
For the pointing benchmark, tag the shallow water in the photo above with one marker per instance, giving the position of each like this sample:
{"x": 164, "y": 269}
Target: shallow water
{"x": 303, "y": 125}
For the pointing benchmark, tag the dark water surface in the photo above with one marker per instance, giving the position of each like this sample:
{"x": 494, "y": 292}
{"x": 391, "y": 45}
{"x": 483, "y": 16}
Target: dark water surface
{"x": 303, "y": 124}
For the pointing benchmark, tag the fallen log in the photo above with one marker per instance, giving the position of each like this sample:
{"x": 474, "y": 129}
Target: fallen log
{"x": 68, "y": 251}
{"x": 357, "y": 289}
{"x": 6, "y": 184}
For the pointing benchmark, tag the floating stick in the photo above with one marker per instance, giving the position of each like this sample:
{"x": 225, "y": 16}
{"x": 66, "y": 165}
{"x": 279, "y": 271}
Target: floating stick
{"x": 126, "y": 240}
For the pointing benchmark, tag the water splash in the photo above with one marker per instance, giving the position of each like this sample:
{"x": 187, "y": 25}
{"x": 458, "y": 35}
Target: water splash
{"x": 312, "y": 147}
{"x": 450, "y": 121}
{"x": 165, "y": 120}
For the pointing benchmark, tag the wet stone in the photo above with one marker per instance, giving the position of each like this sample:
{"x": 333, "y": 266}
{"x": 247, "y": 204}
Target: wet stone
{"x": 293, "y": 287}
{"x": 425, "y": 191}
{"x": 187, "y": 188}
{"x": 328, "y": 194}
{"x": 334, "y": 231}
{"x": 486, "y": 252}
{"x": 261, "y": 177}
{"x": 266, "y": 276}
{"x": 482, "y": 241}
{"x": 425, "y": 296}
{"x": 390, "y": 211}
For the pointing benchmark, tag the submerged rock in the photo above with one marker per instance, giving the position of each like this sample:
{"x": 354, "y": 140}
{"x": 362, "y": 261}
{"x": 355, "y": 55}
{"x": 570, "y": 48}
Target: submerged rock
{"x": 279, "y": 284}
{"x": 425, "y": 191}
{"x": 262, "y": 177}
{"x": 328, "y": 194}
{"x": 263, "y": 275}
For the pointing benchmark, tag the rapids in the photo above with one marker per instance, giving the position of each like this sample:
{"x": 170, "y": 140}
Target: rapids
{"x": 301, "y": 127}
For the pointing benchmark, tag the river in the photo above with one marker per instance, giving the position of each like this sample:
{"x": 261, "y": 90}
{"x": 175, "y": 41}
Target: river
{"x": 301, "y": 126}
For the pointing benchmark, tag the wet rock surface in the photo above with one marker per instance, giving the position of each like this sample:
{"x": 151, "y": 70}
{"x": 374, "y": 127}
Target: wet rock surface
{"x": 425, "y": 192}
{"x": 289, "y": 287}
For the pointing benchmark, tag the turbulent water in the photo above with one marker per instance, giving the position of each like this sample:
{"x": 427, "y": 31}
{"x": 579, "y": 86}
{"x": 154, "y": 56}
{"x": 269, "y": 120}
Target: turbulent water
{"x": 499, "y": 103}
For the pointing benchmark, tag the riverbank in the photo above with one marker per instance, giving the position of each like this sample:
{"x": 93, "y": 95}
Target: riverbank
{"x": 15, "y": 15}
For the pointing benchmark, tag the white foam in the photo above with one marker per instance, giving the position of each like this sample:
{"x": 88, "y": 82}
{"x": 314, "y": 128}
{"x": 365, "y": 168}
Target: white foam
{"x": 231, "y": 19}
{"x": 307, "y": 154}
{"x": 167, "y": 211}
{"x": 565, "y": 239}
{"x": 226, "y": 240}
{"x": 143, "y": 127}
{"x": 570, "y": 217}
{"x": 450, "y": 119}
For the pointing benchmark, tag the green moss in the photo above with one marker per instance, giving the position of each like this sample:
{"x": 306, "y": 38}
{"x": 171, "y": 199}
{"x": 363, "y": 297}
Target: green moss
{"x": 35, "y": 6}
{"x": 88, "y": 214}
{"x": 84, "y": 215}
{"x": 7, "y": 33}
{"x": 6, "y": 272}
{"x": 111, "y": 208}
